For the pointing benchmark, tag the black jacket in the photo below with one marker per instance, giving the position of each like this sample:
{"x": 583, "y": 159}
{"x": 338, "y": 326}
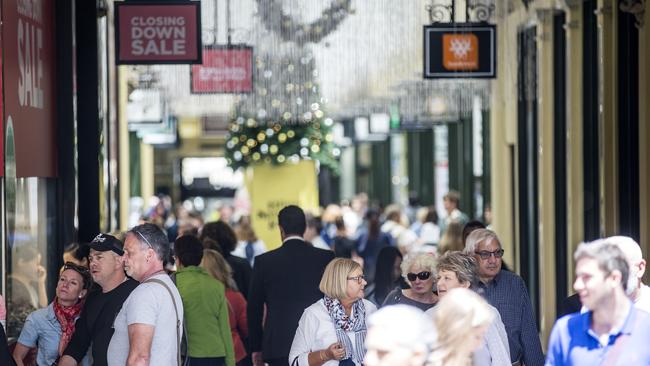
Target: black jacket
{"x": 241, "y": 273}
{"x": 5, "y": 355}
{"x": 286, "y": 280}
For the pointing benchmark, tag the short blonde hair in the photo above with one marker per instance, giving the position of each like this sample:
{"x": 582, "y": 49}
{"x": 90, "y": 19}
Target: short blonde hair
{"x": 457, "y": 314}
{"x": 423, "y": 261}
{"x": 334, "y": 282}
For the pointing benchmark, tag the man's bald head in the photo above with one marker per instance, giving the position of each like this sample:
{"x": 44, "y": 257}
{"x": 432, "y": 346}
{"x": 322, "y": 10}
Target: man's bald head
{"x": 628, "y": 246}
{"x": 634, "y": 257}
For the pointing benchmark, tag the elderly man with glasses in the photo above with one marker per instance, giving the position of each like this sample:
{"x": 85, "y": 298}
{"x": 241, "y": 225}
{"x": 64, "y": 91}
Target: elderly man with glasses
{"x": 507, "y": 292}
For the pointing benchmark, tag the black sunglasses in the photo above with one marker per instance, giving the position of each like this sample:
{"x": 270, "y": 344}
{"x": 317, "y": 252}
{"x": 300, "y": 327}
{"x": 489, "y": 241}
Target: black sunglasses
{"x": 422, "y": 276}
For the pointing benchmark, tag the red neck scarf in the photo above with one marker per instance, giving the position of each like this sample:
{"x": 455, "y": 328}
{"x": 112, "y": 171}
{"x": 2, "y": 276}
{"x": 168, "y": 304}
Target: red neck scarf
{"x": 66, "y": 317}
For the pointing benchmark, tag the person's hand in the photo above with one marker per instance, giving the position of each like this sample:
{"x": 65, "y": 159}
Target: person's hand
{"x": 41, "y": 273}
{"x": 256, "y": 357}
{"x": 335, "y": 351}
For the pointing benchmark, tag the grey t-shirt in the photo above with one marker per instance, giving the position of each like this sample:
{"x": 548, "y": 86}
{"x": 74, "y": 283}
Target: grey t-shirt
{"x": 150, "y": 304}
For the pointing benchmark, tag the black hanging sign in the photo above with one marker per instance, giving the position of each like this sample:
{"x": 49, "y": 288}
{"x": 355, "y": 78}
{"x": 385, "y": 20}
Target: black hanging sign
{"x": 460, "y": 50}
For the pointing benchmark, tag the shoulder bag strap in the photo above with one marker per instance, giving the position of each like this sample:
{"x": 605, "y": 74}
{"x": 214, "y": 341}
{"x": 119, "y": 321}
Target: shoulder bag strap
{"x": 178, "y": 319}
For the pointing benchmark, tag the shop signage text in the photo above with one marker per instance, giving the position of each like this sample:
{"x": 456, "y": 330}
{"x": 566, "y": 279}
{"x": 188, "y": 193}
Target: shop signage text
{"x": 158, "y": 33}
{"x": 28, "y": 43}
{"x": 224, "y": 70}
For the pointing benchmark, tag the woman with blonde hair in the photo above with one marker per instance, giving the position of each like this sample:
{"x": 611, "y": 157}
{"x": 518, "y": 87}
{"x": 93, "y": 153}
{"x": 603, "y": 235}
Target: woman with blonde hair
{"x": 333, "y": 330}
{"x": 461, "y": 319}
{"x": 419, "y": 270}
{"x": 214, "y": 263}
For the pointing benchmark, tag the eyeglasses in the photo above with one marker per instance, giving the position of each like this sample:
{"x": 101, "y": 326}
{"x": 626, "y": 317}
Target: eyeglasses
{"x": 422, "y": 276}
{"x": 359, "y": 278}
{"x": 484, "y": 254}
{"x": 143, "y": 238}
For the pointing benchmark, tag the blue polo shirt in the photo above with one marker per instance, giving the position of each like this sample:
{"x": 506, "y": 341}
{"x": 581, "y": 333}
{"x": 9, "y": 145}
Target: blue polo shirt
{"x": 572, "y": 341}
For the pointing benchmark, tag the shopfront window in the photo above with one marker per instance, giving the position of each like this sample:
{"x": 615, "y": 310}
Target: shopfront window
{"x": 31, "y": 248}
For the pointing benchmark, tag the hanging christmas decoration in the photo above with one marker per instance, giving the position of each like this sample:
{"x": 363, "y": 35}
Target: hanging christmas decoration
{"x": 290, "y": 30}
{"x": 283, "y": 119}
{"x": 281, "y": 143}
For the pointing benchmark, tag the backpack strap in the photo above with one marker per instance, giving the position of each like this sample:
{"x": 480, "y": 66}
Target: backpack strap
{"x": 178, "y": 319}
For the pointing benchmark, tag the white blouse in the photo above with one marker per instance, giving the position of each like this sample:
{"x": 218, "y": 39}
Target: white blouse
{"x": 316, "y": 332}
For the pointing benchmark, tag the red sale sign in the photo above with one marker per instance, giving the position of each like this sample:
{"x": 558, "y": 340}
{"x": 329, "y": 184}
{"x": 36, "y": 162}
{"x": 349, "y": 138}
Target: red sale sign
{"x": 29, "y": 87}
{"x": 224, "y": 70}
{"x": 158, "y": 33}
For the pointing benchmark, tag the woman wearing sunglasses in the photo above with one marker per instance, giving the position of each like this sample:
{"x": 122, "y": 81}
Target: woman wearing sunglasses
{"x": 51, "y": 328}
{"x": 419, "y": 270}
{"x": 460, "y": 270}
{"x": 332, "y": 331}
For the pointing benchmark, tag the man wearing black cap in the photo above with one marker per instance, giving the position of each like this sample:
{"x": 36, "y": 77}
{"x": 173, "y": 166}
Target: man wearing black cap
{"x": 96, "y": 322}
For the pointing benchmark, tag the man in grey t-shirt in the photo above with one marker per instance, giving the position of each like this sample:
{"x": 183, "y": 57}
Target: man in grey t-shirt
{"x": 146, "y": 329}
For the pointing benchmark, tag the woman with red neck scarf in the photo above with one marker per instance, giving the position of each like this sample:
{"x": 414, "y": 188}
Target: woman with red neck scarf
{"x": 51, "y": 328}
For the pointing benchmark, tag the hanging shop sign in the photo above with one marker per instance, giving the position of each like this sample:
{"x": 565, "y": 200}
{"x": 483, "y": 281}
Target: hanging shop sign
{"x": 224, "y": 70}
{"x": 158, "y": 32}
{"x": 28, "y": 46}
{"x": 460, "y": 50}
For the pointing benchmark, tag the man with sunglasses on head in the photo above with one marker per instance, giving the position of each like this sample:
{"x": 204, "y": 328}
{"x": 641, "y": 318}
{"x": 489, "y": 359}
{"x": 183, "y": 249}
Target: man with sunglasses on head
{"x": 95, "y": 326}
{"x": 507, "y": 292}
{"x": 149, "y": 326}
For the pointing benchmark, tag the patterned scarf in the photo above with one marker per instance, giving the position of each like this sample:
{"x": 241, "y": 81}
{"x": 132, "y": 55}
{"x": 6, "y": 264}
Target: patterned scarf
{"x": 343, "y": 323}
{"x": 66, "y": 317}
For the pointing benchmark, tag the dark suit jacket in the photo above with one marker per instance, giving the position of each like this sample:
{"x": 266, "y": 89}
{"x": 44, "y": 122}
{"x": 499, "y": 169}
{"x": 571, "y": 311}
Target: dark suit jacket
{"x": 241, "y": 273}
{"x": 286, "y": 280}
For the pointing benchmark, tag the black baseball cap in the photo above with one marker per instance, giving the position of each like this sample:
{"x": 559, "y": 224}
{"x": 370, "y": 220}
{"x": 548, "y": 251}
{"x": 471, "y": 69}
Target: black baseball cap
{"x": 104, "y": 242}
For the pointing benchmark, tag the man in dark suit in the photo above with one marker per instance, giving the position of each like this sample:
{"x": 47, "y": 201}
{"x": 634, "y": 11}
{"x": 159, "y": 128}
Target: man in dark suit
{"x": 286, "y": 281}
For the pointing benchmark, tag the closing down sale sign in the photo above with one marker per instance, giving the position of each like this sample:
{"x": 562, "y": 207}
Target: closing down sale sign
{"x": 158, "y": 33}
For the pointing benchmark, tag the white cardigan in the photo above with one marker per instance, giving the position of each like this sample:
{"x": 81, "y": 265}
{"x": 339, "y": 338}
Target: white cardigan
{"x": 316, "y": 332}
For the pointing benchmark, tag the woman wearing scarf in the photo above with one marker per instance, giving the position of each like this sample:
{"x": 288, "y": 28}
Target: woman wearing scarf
{"x": 332, "y": 331}
{"x": 51, "y": 328}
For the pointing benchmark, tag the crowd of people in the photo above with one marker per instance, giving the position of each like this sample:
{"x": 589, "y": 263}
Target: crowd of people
{"x": 355, "y": 286}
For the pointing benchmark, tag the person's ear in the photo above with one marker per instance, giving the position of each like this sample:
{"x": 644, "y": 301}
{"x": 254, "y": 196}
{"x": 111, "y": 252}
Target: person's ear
{"x": 641, "y": 271}
{"x": 83, "y": 293}
{"x": 465, "y": 284}
{"x": 615, "y": 279}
